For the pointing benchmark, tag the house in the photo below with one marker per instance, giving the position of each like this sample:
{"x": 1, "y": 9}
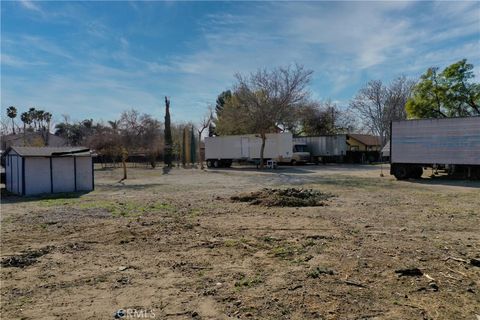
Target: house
{"x": 386, "y": 150}
{"x": 38, "y": 170}
{"x": 363, "y": 142}
{"x": 31, "y": 139}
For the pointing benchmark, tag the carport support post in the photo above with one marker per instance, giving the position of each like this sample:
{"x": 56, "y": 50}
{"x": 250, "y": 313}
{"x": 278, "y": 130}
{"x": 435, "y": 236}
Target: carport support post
{"x": 51, "y": 176}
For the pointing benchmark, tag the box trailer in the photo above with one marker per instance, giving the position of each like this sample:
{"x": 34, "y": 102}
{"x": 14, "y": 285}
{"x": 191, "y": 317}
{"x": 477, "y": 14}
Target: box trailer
{"x": 325, "y": 148}
{"x": 221, "y": 151}
{"x": 450, "y": 143}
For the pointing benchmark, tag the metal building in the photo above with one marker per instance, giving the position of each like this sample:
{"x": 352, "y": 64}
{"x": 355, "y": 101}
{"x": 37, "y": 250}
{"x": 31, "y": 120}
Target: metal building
{"x": 38, "y": 170}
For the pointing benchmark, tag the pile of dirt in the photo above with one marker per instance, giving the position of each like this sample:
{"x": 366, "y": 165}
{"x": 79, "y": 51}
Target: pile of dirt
{"x": 25, "y": 259}
{"x": 291, "y": 197}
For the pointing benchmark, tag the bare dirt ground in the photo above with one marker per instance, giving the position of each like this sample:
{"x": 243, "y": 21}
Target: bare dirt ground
{"x": 175, "y": 246}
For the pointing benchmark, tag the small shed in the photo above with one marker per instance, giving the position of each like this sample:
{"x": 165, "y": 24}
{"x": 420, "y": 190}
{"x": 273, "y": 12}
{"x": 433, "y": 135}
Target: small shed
{"x": 37, "y": 170}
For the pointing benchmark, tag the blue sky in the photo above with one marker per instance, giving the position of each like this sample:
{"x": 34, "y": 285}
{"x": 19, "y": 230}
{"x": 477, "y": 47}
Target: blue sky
{"x": 96, "y": 59}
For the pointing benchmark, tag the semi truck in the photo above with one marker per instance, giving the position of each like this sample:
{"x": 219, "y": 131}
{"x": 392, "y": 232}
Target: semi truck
{"x": 452, "y": 144}
{"x": 221, "y": 151}
{"x": 331, "y": 148}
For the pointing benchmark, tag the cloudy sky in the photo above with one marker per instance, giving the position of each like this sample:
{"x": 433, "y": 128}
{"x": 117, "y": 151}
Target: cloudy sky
{"x": 96, "y": 59}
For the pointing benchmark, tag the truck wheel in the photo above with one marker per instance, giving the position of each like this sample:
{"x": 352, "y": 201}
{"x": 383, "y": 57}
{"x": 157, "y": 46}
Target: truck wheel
{"x": 227, "y": 164}
{"x": 293, "y": 162}
{"x": 417, "y": 172}
{"x": 209, "y": 163}
{"x": 216, "y": 164}
{"x": 401, "y": 172}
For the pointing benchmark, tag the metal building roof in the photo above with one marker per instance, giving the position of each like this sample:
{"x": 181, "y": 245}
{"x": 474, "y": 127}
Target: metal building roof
{"x": 51, "y": 151}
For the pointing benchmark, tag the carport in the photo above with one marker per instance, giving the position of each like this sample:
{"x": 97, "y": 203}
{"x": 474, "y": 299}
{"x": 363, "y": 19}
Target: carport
{"x": 38, "y": 170}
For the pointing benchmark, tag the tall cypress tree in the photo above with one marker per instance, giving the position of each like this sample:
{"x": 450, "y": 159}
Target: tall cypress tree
{"x": 168, "y": 135}
{"x": 193, "y": 150}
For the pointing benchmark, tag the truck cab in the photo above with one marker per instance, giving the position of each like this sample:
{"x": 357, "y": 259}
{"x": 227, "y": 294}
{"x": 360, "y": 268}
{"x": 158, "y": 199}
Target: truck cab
{"x": 300, "y": 153}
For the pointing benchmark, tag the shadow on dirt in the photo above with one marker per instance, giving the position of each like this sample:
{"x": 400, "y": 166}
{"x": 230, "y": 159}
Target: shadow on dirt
{"x": 303, "y": 169}
{"x": 122, "y": 186}
{"x": 447, "y": 181}
{"x": 166, "y": 170}
{"x": 279, "y": 170}
{"x": 8, "y": 197}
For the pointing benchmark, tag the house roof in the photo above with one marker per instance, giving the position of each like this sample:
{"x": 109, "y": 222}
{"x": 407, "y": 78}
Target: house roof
{"x": 50, "y": 151}
{"x": 366, "y": 139}
{"x": 31, "y": 139}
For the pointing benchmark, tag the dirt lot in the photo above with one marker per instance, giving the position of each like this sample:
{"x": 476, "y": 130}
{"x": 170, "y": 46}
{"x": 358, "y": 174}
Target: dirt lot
{"x": 175, "y": 246}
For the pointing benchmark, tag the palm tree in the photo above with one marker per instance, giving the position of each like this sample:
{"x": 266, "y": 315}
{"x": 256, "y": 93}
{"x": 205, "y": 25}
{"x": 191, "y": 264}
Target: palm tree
{"x": 47, "y": 116}
{"x": 32, "y": 112}
{"x": 25, "y": 117}
{"x": 40, "y": 117}
{"x": 12, "y": 114}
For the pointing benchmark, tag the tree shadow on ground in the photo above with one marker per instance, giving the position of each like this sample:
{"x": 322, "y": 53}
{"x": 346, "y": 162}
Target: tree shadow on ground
{"x": 120, "y": 185}
{"x": 166, "y": 170}
{"x": 278, "y": 170}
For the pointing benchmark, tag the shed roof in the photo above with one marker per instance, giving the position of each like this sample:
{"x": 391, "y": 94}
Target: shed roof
{"x": 366, "y": 139}
{"x": 51, "y": 151}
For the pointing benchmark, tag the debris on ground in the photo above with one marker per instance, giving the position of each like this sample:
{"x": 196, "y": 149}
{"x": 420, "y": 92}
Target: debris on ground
{"x": 25, "y": 259}
{"x": 315, "y": 273}
{"x": 291, "y": 197}
{"x": 410, "y": 272}
{"x": 432, "y": 286}
{"x": 355, "y": 283}
{"x": 475, "y": 262}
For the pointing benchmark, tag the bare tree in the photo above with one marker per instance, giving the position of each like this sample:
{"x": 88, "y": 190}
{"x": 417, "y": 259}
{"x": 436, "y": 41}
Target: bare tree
{"x": 378, "y": 104}
{"x": 264, "y": 100}
{"x": 204, "y": 124}
{"x": 325, "y": 118}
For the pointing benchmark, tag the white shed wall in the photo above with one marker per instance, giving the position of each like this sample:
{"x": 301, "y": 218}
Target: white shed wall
{"x": 39, "y": 179}
{"x": 8, "y": 173}
{"x": 13, "y": 173}
{"x": 84, "y": 174}
{"x": 63, "y": 174}
{"x": 37, "y": 175}
{"x": 15, "y": 167}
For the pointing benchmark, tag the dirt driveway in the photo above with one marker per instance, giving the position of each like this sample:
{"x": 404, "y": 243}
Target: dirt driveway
{"x": 172, "y": 245}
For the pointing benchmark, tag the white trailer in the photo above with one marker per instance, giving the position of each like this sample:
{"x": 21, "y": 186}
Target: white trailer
{"x": 221, "y": 151}
{"x": 452, "y": 143}
{"x": 325, "y": 148}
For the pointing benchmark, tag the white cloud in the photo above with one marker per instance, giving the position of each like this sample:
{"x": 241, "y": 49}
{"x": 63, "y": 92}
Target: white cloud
{"x": 345, "y": 43}
{"x": 30, "y": 5}
{"x": 12, "y": 61}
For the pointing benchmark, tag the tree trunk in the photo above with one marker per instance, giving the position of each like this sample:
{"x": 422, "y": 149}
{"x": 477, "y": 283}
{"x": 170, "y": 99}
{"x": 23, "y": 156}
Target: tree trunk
{"x": 13, "y": 126}
{"x": 47, "y": 134}
{"x": 168, "y": 136}
{"x": 200, "y": 158}
{"x": 24, "y": 137}
{"x": 262, "y": 149}
{"x": 124, "y": 163}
